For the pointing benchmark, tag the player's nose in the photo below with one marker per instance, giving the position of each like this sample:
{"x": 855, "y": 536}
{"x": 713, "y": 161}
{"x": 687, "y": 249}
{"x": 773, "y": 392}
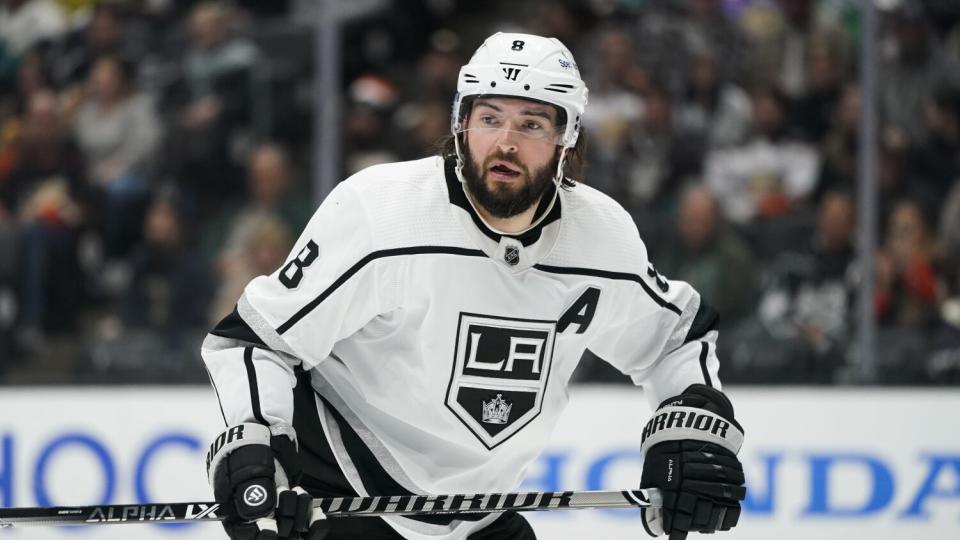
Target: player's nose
{"x": 507, "y": 141}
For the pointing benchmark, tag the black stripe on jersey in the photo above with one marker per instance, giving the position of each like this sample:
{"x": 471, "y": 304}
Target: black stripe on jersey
{"x": 610, "y": 275}
{"x": 254, "y": 390}
{"x": 396, "y": 252}
{"x": 704, "y": 349}
{"x": 217, "y": 392}
{"x": 459, "y": 198}
{"x": 322, "y": 473}
{"x": 234, "y": 327}
{"x": 704, "y": 321}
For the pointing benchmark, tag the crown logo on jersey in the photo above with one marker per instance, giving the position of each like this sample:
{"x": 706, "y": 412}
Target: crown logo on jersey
{"x": 496, "y": 411}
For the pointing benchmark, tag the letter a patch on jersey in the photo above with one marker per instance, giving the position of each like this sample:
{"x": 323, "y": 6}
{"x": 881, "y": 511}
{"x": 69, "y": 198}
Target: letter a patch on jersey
{"x": 500, "y": 371}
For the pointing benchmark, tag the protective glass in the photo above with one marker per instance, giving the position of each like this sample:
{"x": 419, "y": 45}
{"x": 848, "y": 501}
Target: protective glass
{"x": 534, "y": 127}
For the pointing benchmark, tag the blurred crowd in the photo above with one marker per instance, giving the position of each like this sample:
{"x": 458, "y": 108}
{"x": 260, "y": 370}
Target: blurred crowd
{"x": 155, "y": 156}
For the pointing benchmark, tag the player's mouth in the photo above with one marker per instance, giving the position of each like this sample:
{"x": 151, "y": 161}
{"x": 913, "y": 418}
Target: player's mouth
{"x": 504, "y": 172}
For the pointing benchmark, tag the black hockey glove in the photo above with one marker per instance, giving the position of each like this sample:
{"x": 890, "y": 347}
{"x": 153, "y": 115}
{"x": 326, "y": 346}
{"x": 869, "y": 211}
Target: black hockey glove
{"x": 690, "y": 450}
{"x": 251, "y": 472}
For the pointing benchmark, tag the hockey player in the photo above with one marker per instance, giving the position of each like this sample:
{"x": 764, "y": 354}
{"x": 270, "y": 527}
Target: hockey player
{"x": 422, "y": 333}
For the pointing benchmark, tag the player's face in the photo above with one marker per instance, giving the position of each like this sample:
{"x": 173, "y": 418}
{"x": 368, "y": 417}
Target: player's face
{"x": 511, "y": 148}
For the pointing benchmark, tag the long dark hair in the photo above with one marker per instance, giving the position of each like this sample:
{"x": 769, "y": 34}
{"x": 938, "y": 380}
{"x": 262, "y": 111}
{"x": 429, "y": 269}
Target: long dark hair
{"x": 573, "y": 165}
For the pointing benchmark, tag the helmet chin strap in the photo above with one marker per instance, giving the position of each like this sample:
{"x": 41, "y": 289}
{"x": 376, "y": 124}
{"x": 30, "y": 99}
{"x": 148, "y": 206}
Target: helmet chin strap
{"x": 557, "y": 178}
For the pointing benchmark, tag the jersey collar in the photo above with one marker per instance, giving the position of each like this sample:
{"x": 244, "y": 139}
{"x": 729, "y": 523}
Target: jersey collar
{"x": 514, "y": 252}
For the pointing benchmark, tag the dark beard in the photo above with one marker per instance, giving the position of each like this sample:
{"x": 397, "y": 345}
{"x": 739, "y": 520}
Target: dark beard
{"x": 506, "y": 202}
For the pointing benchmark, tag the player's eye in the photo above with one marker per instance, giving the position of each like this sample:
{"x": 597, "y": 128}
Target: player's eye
{"x": 489, "y": 120}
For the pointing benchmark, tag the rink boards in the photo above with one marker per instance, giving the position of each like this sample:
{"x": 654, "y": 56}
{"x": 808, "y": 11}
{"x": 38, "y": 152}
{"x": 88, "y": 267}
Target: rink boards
{"x": 821, "y": 463}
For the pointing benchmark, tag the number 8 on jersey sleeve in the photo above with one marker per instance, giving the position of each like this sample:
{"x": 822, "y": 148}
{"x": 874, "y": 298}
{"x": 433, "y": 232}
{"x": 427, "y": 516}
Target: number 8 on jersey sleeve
{"x": 292, "y": 273}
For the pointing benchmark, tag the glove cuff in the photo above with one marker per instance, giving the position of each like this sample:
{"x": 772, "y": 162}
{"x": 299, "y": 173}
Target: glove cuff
{"x": 700, "y": 413}
{"x": 233, "y": 438}
{"x": 673, "y": 423}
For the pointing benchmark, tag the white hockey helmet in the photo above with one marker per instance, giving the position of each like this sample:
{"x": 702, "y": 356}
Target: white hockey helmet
{"x": 524, "y": 66}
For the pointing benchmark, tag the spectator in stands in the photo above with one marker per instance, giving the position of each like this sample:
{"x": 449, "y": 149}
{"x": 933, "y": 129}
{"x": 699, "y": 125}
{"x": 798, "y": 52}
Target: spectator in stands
{"x": 951, "y": 39}
{"x": 898, "y": 178}
{"x": 912, "y": 72}
{"x": 214, "y": 60}
{"x": 565, "y": 20}
{"x": 899, "y": 174}
{"x": 425, "y": 125}
{"x": 938, "y": 161}
{"x": 659, "y": 37}
{"x": 271, "y": 190}
{"x": 618, "y": 80}
{"x": 257, "y": 248}
{"x": 707, "y": 27}
{"x": 906, "y": 293}
{"x": 668, "y": 35}
{"x": 32, "y": 76}
{"x": 950, "y": 223}
{"x": 709, "y": 256}
{"x": 809, "y": 301}
{"x": 213, "y": 99}
{"x": 31, "y": 79}
{"x": 781, "y": 40}
{"x": 907, "y": 301}
{"x": 815, "y": 108}
{"x": 105, "y": 35}
{"x": 712, "y": 113}
{"x": 436, "y": 74}
{"x": 950, "y": 241}
{"x": 171, "y": 285}
{"x": 768, "y": 176}
{"x": 26, "y": 23}
{"x": 367, "y": 127}
{"x": 839, "y": 145}
{"x": 118, "y": 132}
{"x": 616, "y": 84}
{"x": 652, "y": 163}
{"x": 36, "y": 148}
{"x": 39, "y": 197}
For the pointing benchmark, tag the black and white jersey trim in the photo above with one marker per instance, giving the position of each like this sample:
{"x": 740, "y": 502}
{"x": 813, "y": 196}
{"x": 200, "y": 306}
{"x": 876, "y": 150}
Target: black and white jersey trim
{"x": 705, "y": 320}
{"x": 216, "y": 392}
{"x": 234, "y": 327}
{"x": 396, "y": 252}
{"x": 611, "y": 275}
{"x": 321, "y": 464}
{"x": 465, "y": 252}
{"x": 254, "y": 389}
{"x": 704, "y": 350}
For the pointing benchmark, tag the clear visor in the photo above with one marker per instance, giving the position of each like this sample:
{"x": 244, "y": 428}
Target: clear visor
{"x": 521, "y": 125}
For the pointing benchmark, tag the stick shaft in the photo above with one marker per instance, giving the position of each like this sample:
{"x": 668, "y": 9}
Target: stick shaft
{"x": 480, "y": 502}
{"x": 335, "y": 507}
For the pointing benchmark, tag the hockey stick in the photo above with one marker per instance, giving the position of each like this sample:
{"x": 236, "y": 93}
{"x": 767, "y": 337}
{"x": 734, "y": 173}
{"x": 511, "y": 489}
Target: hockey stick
{"x": 397, "y": 505}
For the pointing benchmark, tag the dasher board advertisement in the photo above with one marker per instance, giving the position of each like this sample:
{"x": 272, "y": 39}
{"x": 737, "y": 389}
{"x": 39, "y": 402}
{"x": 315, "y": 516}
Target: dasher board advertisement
{"x": 820, "y": 463}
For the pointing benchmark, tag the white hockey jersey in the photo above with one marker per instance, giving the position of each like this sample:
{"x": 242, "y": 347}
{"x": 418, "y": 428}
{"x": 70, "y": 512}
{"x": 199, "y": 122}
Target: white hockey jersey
{"x": 448, "y": 347}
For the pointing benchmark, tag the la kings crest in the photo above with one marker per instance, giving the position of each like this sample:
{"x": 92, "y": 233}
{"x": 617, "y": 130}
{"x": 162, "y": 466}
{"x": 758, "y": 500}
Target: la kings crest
{"x": 500, "y": 372}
